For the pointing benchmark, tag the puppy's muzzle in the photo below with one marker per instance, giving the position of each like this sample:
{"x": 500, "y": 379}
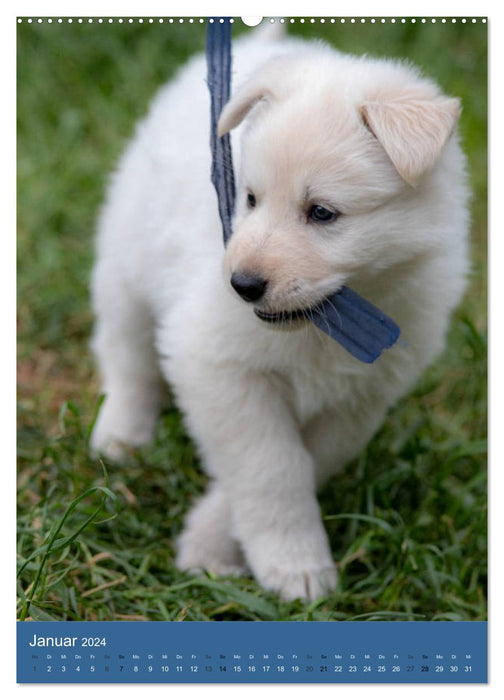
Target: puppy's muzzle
{"x": 249, "y": 287}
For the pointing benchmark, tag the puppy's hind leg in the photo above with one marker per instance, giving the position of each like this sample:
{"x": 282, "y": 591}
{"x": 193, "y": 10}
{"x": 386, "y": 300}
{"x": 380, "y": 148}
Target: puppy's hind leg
{"x": 206, "y": 542}
{"x": 123, "y": 344}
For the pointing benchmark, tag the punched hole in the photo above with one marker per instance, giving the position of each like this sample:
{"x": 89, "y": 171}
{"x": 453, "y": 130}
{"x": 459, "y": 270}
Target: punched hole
{"x": 251, "y": 21}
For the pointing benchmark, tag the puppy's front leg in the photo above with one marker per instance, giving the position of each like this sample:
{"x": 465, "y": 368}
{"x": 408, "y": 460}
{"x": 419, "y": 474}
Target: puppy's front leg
{"x": 252, "y": 446}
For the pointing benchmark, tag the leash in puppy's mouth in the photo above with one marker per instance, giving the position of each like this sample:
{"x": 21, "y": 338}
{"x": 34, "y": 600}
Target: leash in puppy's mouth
{"x": 356, "y": 324}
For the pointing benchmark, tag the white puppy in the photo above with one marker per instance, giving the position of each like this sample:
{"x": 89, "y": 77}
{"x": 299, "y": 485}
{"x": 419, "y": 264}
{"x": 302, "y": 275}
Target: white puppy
{"x": 349, "y": 173}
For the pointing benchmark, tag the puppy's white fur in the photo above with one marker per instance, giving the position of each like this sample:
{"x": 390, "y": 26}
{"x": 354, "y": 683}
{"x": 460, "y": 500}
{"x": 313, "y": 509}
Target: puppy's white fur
{"x": 276, "y": 411}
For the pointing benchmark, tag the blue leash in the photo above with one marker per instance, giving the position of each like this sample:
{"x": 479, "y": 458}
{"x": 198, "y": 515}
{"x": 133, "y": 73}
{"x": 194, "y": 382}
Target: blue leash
{"x": 361, "y": 328}
{"x": 218, "y": 52}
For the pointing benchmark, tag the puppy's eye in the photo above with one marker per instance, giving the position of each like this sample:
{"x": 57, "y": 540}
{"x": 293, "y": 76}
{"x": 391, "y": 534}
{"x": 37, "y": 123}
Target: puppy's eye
{"x": 251, "y": 200}
{"x": 321, "y": 215}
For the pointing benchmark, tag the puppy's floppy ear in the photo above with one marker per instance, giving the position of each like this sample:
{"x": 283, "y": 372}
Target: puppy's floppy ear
{"x": 267, "y": 84}
{"x": 413, "y": 130}
{"x": 240, "y": 105}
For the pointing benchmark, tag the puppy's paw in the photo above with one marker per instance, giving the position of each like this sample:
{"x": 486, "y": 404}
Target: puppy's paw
{"x": 114, "y": 450}
{"x": 222, "y": 557}
{"x": 295, "y": 565}
{"x": 103, "y": 443}
{"x": 206, "y": 542}
{"x": 118, "y": 430}
{"x": 295, "y": 582}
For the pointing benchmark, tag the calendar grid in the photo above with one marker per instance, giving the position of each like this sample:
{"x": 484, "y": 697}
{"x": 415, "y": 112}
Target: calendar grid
{"x": 252, "y": 652}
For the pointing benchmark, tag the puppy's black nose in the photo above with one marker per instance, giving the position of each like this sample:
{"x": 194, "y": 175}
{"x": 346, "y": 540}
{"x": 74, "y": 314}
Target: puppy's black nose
{"x": 249, "y": 287}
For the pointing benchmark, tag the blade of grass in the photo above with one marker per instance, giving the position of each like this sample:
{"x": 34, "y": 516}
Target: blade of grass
{"x": 54, "y": 545}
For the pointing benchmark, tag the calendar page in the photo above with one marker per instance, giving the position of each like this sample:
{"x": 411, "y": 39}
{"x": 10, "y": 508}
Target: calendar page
{"x": 252, "y": 349}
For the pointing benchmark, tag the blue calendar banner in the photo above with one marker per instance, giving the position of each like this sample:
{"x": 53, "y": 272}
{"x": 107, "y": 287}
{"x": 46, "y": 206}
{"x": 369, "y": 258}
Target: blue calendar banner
{"x": 251, "y": 652}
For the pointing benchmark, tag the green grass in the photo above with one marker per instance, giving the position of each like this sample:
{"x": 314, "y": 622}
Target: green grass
{"x": 407, "y": 520}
